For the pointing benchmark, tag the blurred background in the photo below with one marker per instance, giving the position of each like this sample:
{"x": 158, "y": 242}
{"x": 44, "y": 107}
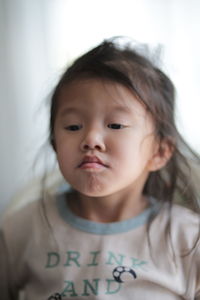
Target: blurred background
{"x": 38, "y": 38}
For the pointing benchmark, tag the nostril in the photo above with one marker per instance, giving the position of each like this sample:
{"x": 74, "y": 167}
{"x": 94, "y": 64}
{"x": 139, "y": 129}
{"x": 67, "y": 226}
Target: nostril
{"x": 91, "y": 147}
{"x": 86, "y": 147}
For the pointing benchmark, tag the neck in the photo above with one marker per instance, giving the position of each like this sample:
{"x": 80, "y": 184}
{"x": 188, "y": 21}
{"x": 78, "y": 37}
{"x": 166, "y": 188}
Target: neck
{"x": 113, "y": 208}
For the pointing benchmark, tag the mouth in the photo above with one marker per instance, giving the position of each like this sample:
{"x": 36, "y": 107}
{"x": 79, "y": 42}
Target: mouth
{"x": 92, "y": 162}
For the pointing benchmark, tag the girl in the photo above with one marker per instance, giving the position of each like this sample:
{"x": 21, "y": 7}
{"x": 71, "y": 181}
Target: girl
{"x": 117, "y": 234}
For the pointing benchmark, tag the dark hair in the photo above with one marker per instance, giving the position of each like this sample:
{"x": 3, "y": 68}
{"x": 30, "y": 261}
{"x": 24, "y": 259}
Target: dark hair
{"x": 155, "y": 90}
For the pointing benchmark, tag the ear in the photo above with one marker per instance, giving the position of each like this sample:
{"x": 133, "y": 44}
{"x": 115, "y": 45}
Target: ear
{"x": 163, "y": 152}
{"x": 52, "y": 142}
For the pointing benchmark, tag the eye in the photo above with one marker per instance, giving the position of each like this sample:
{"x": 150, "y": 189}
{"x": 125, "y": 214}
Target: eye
{"x": 73, "y": 127}
{"x": 116, "y": 126}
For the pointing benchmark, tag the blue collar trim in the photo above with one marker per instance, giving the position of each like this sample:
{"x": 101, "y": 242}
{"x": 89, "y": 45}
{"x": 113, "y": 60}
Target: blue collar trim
{"x": 104, "y": 228}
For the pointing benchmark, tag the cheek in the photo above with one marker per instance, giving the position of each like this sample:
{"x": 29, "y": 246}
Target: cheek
{"x": 133, "y": 151}
{"x": 64, "y": 154}
{"x": 123, "y": 154}
{"x": 126, "y": 146}
{"x": 64, "y": 144}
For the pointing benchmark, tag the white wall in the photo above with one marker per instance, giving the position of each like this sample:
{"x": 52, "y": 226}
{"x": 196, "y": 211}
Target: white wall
{"x": 39, "y": 37}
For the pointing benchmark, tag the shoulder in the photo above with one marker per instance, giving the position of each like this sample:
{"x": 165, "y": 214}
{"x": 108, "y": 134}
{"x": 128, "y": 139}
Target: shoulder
{"x": 179, "y": 216}
{"x": 185, "y": 232}
{"x": 184, "y": 226}
{"x": 184, "y": 216}
{"x": 184, "y": 219}
{"x": 19, "y": 226}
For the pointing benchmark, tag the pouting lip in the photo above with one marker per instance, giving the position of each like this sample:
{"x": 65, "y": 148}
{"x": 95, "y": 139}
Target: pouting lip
{"x": 91, "y": 159}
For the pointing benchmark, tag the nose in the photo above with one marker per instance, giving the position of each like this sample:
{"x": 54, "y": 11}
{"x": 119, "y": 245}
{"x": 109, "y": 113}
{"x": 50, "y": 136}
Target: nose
{"x": 93, "y": 140}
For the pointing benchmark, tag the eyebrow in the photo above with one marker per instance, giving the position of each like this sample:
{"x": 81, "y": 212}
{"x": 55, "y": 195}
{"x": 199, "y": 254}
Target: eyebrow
{"x": 69, "y": 110}
{"x": 121, "y": 108}
{"x": 73, "y": 110}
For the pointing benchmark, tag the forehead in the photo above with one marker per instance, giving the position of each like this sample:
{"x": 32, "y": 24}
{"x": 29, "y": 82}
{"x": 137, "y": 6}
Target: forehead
{"x": 99, "y": 94}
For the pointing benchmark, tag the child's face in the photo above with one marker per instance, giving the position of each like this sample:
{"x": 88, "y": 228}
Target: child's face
{"x": 104, "y": 138}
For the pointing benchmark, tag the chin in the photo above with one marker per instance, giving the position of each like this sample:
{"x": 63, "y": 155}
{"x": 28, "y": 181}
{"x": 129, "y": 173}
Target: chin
{"x": 94, "y": 194}
{"x": 92, "y": 186}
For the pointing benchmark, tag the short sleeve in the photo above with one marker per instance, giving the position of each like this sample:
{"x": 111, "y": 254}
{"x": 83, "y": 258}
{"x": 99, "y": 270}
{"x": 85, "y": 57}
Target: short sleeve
{"x": 5, "y": 288}
{"x": 197, "y": 297}
{"x": 197, "y": 264}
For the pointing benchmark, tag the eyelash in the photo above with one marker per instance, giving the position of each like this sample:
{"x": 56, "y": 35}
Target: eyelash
{"x": 74, "y": 127}
{"x": 114, "y": 126}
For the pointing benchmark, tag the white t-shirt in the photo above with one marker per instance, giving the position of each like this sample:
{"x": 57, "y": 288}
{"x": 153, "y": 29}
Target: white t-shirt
{"x": 57, "y": 255}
